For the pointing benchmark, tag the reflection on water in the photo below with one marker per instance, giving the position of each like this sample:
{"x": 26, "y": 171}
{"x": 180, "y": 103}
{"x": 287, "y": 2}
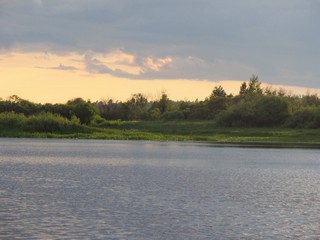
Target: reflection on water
{"x": 72, "y": 189}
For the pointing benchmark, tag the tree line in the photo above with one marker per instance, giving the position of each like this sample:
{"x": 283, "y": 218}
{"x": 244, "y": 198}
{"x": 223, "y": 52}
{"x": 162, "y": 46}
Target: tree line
{"x": 253, "y": 106}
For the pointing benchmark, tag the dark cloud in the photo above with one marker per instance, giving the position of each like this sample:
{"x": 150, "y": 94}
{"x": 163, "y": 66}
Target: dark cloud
{"x": 65, "y": 68}
{"x": 271, "y": 37}
{"x": 61, "y": 67}
{"x": 94, "y": 65}
{"x": 165, "y": 68}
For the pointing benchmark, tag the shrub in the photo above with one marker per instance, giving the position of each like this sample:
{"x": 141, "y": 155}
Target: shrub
{"x": 172, "y": 115}
{"x": 153, "y": 114}
{"x": 97, "y": 120}
{"x": 272, "y": 111}
{"x": 48, "y": 122}
{"x": 12, "y": 120}
{"x": 307, "y": 117}
{"x": 241, "y": 114}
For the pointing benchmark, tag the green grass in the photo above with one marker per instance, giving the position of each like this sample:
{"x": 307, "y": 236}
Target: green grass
{"x": 203, "y": 131}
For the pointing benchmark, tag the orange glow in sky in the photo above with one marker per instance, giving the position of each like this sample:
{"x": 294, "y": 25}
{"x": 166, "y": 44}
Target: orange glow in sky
{"x": 46, "y": 77}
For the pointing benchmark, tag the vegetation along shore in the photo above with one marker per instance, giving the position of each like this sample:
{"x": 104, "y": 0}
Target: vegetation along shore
{"x": 255, "y": 116}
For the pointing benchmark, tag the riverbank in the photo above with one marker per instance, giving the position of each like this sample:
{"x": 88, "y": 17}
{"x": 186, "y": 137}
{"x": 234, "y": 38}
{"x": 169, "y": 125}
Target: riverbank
{"x": 199, "y": 131}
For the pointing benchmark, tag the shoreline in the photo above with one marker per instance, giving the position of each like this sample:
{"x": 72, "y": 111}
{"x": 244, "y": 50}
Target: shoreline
{"x": 183, "y": 131}
{"x": 222, "y": 144}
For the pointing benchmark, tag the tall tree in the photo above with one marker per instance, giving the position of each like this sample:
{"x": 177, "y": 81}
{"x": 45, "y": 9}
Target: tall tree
{"x": 218, "y": 91}
{"x": 83, "y": 110}
{"x": 243, "y": 89}
{"x": 164, "y": 103}
{"x": 254, "y": 85}
{"x": 137, "y": 106}
{"x": 253, "y": 88}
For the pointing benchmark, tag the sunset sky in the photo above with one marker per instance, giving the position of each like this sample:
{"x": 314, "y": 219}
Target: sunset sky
{"x": 56, "y": 50}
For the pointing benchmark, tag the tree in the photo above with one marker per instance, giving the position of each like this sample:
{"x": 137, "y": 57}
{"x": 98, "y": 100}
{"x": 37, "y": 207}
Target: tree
{"x": 252, "y": 89}
{"x": 164, "y": 103}
{"x": 111, "y": 110}
{"x": 200, "y": 111}
{"x": 137, "y": 106}
{"x": 272, "y": 111}
{"x": 153, "y": 114}
{"x": 243, "y": 89}
{"x": 310, "y": 100}
{"x": 15, "y": 99}
{"x": 19, "y": 105}
{"x": 218, "y": 92}
{"x": 138, "y": 100}
{"x": 254, "y": 85}
{"x": 83, "y": 110}
{"x": 61, "y": 109}
{"x": 306, "y": 117}
{"x": 241, "y": 114}
{"x": 269, "y": 91}
{"x": 75, "y": 101}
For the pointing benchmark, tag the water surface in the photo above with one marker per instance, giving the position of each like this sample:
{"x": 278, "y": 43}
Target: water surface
{"x": 83, "y": 189}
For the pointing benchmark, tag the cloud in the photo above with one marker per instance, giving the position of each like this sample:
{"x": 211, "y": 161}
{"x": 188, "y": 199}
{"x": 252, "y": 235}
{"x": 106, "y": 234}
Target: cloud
{"x": 65, "y": 68}
{"x": 121, "y": 64}
{"x": 118, "y": 56}
{"x": 225, "y": 39}
{"x": 156, "y": 64}
{"x": 61, "y": 67}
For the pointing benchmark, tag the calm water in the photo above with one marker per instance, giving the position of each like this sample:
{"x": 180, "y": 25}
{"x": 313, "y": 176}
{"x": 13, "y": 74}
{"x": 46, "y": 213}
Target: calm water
{"x": 79, "y": 189}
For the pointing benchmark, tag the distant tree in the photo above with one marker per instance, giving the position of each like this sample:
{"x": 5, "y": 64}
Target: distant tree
{"x": 111, "y": 110}
{"x": 173, "y": 115}
{"x": 19, "y": 105}
{"x": 139, "y": 100}
{"x": 164, "y": 103}
{"x": 75, "y": 101}
{"x": 15, "y": 99}
{"x": 254, "y": 85}
{"x": 310, "y": 100}
{"x": 217, "y": 101}
{"x": 187, "y": 107}
{"x": 137, "y": 106}
{"x": 200, "y": 111}
{"x": 269, "y": 91}
{"x": 272, "y": 111}
{"x": 243, "y": 89}
{"x": 281, "y": 92}
{"x": 63, "y": 110}
{"x": 153, "y": 114}
{"x": 83, "y": 110}
{"x": 218, "y": 91}
{"x": 241, "y": 114}
{"x": 305, "y": 117}
{"x": 252, "y": 89}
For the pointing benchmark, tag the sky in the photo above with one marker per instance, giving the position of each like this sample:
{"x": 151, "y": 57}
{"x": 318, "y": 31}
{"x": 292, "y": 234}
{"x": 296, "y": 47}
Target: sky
{"x": 56, "y": 50}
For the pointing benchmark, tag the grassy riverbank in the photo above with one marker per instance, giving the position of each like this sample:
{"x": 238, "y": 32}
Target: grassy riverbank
{"x": 203, "y": 131}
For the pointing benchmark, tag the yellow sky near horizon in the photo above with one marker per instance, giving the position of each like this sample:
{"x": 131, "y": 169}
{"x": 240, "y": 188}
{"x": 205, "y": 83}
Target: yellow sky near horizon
{"x": 50, "y": 78}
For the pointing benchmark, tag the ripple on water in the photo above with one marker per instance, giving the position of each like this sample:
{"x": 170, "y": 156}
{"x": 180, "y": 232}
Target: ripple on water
{"x": 191, "y": 192}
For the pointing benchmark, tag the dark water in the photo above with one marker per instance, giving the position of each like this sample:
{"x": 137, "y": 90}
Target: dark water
{"x": 72, "y": 189}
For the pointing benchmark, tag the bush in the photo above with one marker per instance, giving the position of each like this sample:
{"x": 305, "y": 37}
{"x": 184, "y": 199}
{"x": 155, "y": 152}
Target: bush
{"x": 97, "y": 120}
{"x": 12, "y": 120}
{"x": 48, "y": 122}
{"x": 241, "y": 114}
{"x": 308, "y": 117}
{"x": 217, "y": 104}
{"x": 272, "y": 111}
{"x": 199, "y": 111}
{"x": 265, "y": 111}
{"x": 152, "y": 115}
{"x": 172, "y": 115}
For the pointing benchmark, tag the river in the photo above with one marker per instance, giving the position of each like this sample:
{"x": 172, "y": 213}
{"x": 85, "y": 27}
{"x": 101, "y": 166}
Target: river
{"x": 95, "y": 189}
